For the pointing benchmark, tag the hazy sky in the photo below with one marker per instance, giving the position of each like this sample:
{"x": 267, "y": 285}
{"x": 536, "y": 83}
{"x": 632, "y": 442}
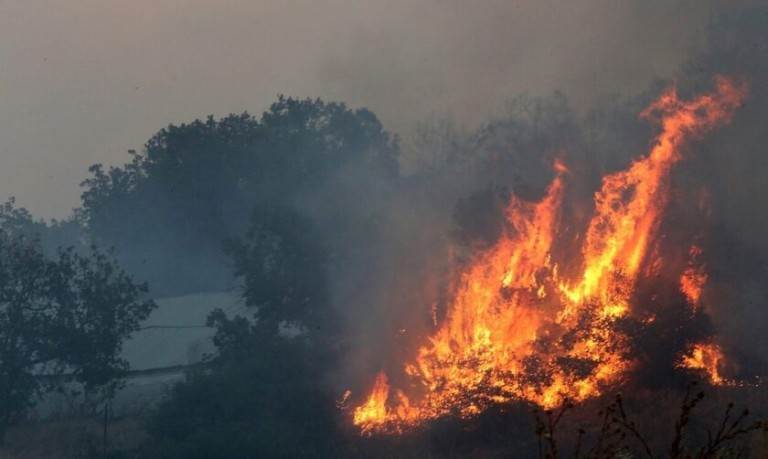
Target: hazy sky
{"x": 82, "y": 81}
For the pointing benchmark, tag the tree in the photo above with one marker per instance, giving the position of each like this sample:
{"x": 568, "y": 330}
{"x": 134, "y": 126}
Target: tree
{"x": 168, "y": 210}
{"x": 264, "y": 394}
{"x": 260, "y": 398}
{"x": 62, "y": 319}
{"x": 283, "y": 263}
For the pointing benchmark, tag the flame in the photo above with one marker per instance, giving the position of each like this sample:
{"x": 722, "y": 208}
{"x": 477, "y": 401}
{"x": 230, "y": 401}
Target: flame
{"x": 518, "y": 330}
{"x": 706, "y": 358}
{"x": 693, "y": 278}
{"x": 369, "y": 414}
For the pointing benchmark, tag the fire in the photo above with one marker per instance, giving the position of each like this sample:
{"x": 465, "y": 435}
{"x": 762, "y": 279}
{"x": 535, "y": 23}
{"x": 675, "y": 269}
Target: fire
{"x": 517, "y": 328}
{"x": 375, "y": 408}
{"x": 706, "y": 358}
{"x": 693, "y": 278}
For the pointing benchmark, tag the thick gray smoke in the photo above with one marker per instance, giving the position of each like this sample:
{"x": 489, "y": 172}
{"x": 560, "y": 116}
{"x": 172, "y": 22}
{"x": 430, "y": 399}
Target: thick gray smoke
{"x": 458, "y": 177}
{"x": 84, "y": 82}
{"x": 484, "y": 96}
{"x": 344, "y": 230}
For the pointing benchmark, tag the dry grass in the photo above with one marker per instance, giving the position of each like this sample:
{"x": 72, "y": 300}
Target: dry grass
{"x": 653, "y": 413}
{"x": 657, "y": 424}
{"x": 72, "y": 437}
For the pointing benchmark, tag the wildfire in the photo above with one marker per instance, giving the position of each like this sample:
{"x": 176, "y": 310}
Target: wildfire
{"x": 375, "y": 408}
{"x": 693, "y": 278}
{"x": 707, "y": 358}
{"x": 517, "y": 328}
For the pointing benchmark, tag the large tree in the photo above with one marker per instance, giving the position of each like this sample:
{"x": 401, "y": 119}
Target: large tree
{"x": 194, "y": 185}
{"x": 264, "y": 393}
{"x": 62, "y": 318}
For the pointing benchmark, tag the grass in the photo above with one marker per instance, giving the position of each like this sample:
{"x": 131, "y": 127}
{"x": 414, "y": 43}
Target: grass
{"x": 731, "y": 433}
{"x": 647, "y": 424}
{"x": 73, "y": 437}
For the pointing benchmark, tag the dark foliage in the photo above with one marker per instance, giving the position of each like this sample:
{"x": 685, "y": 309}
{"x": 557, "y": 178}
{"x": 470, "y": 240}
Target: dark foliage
{"x": 61, "y": 319}
{"x": 617, "y": 434}
{"x": 269, "y": 404}
{"x": 169, "y": 209}
{"x": 263, "y": 394}
{"x": 283, "y": 266}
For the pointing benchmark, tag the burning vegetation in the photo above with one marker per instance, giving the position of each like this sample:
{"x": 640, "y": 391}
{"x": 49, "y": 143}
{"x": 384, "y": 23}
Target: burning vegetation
{"x": 528, "y": 323}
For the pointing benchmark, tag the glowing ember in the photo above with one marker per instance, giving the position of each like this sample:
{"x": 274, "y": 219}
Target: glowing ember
{"x": 518, "y": 329}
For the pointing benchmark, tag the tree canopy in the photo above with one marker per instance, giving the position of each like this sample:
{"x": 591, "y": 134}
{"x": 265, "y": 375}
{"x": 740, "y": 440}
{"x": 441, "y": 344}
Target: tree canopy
{"x": 62, "y": 319}
{"x": 168, "y": 210}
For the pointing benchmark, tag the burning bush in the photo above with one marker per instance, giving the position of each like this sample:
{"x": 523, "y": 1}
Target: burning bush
{"x": 526, "y": 324}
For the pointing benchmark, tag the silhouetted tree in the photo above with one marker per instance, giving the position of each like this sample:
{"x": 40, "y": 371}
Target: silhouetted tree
{"x": 264, "y": 394}
{"x": 62, "y": 319}
{"x": 169, "y": 209}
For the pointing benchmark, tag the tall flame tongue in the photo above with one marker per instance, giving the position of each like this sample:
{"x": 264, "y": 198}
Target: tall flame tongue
{"x": 517, "y": 330}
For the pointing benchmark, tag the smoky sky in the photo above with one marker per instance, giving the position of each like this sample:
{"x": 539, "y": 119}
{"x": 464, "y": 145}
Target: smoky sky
{"x": 82, "y": 82}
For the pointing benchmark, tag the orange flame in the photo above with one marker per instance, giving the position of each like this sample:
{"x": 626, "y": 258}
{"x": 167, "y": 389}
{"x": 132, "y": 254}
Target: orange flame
{"x": 693, "y": 278}
{"x": 706, "y": 358}
{"x": 516, "y": 330}
{"x": 374, "y": 409}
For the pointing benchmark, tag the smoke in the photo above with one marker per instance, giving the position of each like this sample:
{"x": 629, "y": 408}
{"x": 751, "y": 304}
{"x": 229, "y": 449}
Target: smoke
{"x": 406, "y": 60}
{"x": 458, "y": 179}
{"x": 732, "y": 168}
{"x": 84, "y": 82}
{"x": 448, "y": 76}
